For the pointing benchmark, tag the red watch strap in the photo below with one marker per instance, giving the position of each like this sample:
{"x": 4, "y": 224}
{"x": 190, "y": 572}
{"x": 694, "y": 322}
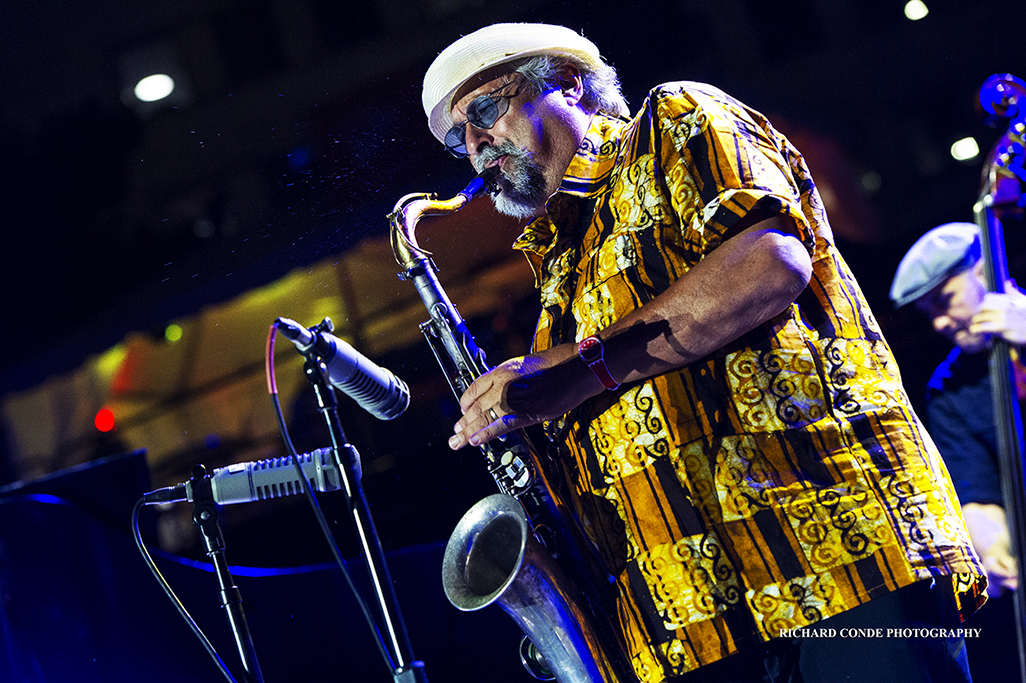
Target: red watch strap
{"x": 591, "y": 352}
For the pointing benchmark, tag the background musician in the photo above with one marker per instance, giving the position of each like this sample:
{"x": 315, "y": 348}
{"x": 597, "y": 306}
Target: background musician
{"x": 942, "y": 276}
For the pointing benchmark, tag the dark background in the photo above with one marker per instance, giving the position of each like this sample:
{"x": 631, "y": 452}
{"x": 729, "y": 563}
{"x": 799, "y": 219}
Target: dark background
{"x": 297, "y": 125}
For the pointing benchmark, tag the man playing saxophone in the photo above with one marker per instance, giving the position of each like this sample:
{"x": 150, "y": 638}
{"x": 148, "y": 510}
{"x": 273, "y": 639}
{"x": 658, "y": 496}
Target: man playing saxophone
{"x": 727, "y": 413}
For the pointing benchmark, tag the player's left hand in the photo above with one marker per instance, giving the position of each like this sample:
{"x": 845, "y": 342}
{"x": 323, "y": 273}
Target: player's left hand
{"x": 1003, "y": 315}
{"x": 521, "y": 392}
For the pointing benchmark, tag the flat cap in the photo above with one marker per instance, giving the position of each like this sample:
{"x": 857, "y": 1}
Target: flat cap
{"x": 942, "y": 252}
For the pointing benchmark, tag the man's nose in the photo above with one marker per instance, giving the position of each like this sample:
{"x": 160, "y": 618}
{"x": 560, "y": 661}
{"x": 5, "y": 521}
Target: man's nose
{"x": 944, "y": 324}
{"x": 477, "y": 139}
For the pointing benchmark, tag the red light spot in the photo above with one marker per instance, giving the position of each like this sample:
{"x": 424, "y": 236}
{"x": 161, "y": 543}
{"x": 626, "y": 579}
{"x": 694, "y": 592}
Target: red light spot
{"x": 104, "y": 420}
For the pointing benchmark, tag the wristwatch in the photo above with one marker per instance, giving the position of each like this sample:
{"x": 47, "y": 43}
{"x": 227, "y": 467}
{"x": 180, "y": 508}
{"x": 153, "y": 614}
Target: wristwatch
{"x": 590, "y": 351}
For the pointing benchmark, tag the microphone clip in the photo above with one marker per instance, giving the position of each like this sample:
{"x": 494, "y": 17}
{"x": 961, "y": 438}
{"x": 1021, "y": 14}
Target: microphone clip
{"x": 310, "y": 344}
{"x": 325, "y": 325}
{"x": 313, "y": 353}
{"x": 204, "y": 506}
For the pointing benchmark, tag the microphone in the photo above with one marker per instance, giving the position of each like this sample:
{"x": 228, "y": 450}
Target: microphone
{"x": 374, "y": 388}
{"x": 246, "y": 482}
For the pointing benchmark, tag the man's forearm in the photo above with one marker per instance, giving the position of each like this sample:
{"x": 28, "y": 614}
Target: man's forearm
{"x": 747, "y": 280}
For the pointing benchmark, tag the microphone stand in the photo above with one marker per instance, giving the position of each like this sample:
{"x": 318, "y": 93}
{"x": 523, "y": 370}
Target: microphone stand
{"x": 204, "y": 515}
{"x": 406, "y": 669}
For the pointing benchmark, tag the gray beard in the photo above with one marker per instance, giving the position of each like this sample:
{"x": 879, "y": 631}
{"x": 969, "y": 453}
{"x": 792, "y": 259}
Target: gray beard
{"x": 522, "y": 180}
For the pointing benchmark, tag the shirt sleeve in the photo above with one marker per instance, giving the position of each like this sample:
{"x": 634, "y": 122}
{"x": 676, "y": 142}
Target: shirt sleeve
{"x": 968, "y": 457}
{"x": 722, "y": 160}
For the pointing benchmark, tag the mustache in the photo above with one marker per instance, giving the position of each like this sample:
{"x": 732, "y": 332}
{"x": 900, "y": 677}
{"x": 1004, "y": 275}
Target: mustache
{"x": 495, "y": 152}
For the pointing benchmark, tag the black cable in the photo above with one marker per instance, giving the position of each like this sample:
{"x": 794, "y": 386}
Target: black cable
{"x": 171, "y": 594}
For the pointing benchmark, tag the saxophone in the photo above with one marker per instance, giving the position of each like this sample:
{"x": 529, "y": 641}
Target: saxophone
{"x": 520, "y": 548}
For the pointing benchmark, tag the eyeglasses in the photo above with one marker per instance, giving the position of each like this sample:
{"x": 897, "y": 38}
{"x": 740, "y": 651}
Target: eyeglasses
{"x": 482, "y": 113}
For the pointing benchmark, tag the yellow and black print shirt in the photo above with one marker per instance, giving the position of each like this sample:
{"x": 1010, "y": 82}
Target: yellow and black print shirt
{"x": 776, "y": 482}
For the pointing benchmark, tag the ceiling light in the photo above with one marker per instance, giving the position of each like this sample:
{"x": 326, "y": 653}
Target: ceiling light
{"x": 154, "y": 87}
{"x": 152, "y": 78}
{"x": 916, "y": 9}
{"x": 965, "y": 149}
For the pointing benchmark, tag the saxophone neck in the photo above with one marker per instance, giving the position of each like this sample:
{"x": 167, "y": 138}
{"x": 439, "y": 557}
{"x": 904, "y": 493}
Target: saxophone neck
{"x": 410, "y": 209}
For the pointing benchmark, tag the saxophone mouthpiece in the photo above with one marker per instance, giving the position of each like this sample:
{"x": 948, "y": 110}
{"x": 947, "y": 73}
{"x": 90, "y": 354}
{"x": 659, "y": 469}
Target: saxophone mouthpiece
{"x": 482, "y": 182}
{"x": 489, "y": 176}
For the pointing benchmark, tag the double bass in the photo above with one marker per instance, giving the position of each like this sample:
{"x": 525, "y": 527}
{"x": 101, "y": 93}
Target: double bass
{"x": 1003, "y": 193}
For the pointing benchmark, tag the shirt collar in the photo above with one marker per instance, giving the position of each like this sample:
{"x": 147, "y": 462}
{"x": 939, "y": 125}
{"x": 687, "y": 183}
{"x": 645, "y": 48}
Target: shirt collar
{"x": 595, "y": 157}
{"x": 585, "y": 177}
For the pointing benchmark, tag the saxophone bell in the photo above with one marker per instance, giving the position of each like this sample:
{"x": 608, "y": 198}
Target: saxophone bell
{"x": 493, "y": 558}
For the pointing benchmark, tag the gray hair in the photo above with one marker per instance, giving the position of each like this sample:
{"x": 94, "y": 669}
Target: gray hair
{"x": 601, "y": 85}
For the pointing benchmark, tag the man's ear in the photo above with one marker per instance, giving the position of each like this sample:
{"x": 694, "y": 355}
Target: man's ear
{"x": 979, "y": 269}
{"x": 571, "y": 83}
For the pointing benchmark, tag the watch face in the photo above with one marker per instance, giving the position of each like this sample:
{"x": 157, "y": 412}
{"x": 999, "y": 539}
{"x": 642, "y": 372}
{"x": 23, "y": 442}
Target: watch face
{"x": 590, "y": 349}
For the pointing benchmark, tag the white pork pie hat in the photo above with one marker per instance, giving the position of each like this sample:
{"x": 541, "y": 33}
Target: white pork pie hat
{"x": 491, "y": 46}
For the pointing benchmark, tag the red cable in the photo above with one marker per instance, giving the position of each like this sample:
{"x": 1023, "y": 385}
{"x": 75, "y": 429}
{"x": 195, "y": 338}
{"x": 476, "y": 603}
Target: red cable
{"x": 272, "y": 385}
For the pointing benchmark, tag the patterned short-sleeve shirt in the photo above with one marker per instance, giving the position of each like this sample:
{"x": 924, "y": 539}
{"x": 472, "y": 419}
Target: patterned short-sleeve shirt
{"x": 776, "y": 482}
